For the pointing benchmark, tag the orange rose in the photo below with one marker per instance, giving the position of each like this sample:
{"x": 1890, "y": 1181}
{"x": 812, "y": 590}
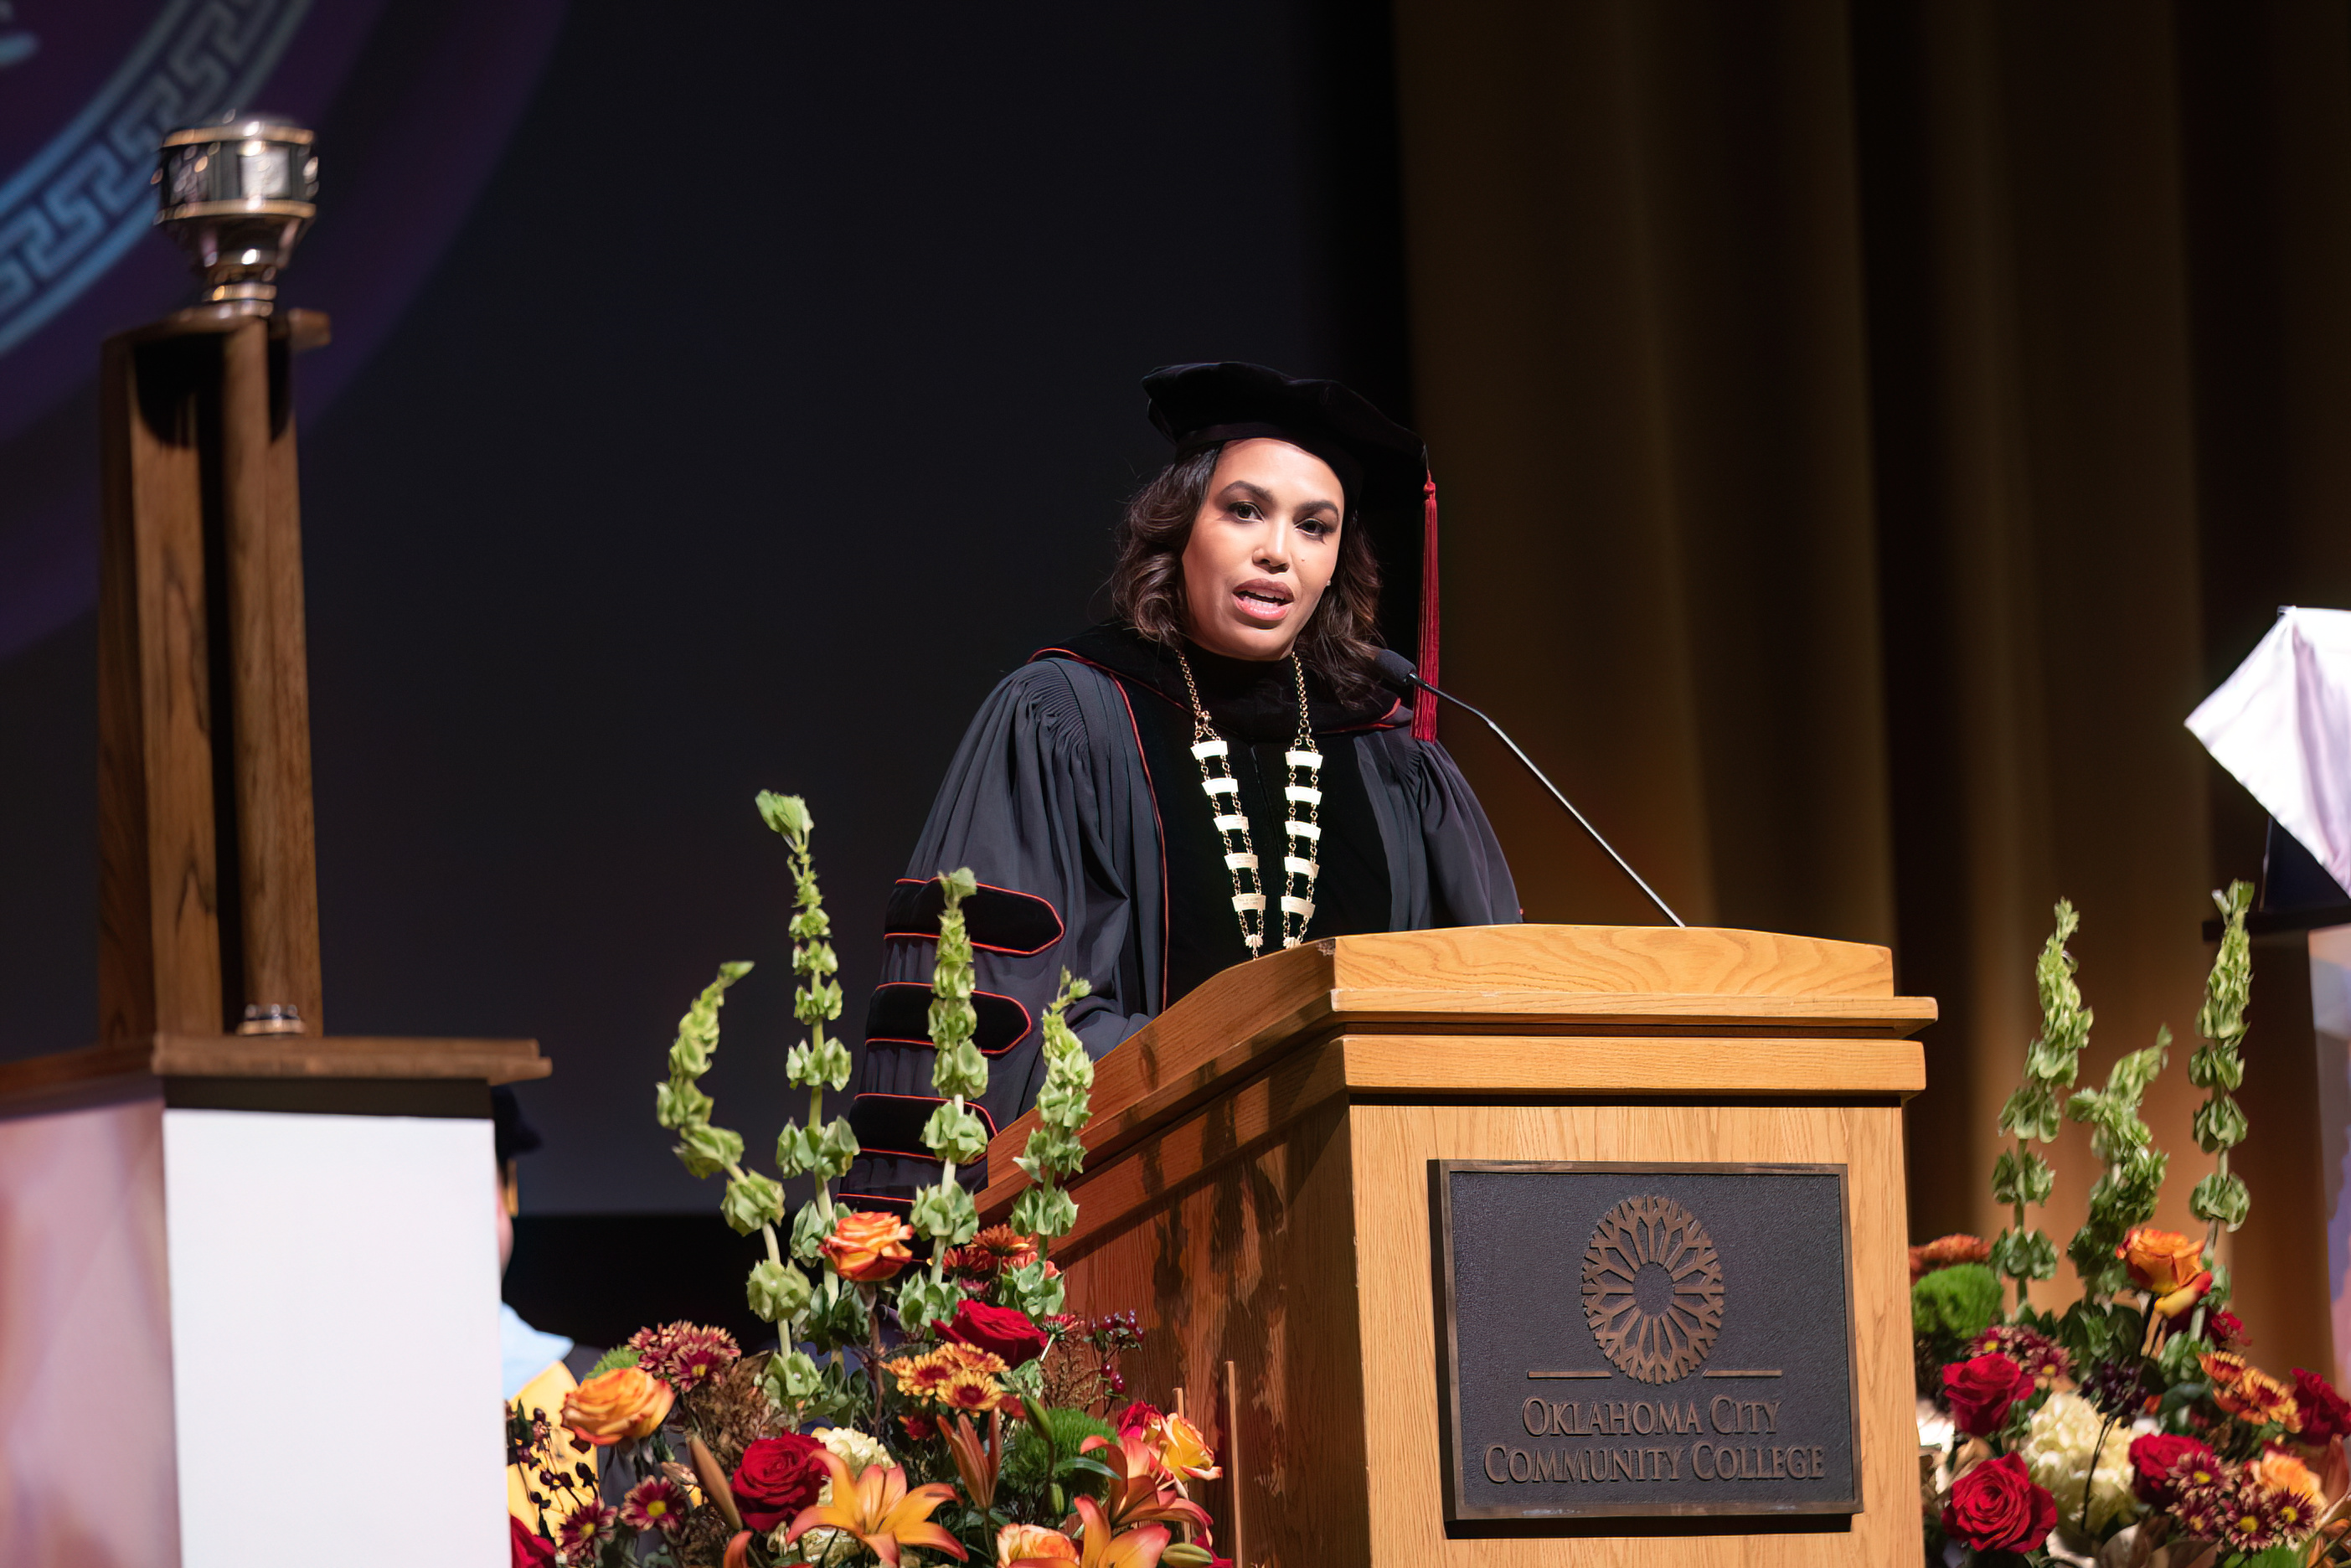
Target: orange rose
{"x": 2278, "y": 1468}
{"x": 625, "y": 1404}
{"x": 868, "y": 1247}
{"x": 2166, "y": 1266}
{"x": 1033, "y": 1543}
{"x": 1183, "y": 1450}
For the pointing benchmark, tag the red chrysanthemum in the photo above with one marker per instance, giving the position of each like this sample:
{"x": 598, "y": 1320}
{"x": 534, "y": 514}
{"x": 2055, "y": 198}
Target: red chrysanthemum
{"x": 656, "y": 1504}
{"x": 2251, "y": 1516}
{"x": 589, "y": 1526}
{"x": 992, "y": 1251}
{"x": 2035, "y": 1352}
{"x": 684, "y": 1355}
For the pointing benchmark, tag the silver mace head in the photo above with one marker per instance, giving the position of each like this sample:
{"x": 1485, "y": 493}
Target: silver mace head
{"x": 237, "y": 194}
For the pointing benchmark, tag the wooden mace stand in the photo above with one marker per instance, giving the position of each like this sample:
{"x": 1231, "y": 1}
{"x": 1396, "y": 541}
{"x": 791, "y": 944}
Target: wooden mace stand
{"x": 1257, "y": 1183}
{"x": 228, "y": 1224}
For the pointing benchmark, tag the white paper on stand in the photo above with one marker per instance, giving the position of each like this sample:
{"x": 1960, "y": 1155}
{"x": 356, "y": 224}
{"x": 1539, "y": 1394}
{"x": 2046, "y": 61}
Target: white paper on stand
{"x": 2282, "y": 725}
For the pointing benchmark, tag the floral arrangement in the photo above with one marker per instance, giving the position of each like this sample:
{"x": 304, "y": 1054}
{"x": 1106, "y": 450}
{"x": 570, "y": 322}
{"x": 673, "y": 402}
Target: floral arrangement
{"x": 912, "y": 1410}
{"x": 2130, "y": 1431}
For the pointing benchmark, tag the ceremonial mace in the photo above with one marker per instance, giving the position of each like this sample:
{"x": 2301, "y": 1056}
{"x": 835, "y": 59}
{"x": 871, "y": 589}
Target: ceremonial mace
{"x": 208, "y": 900}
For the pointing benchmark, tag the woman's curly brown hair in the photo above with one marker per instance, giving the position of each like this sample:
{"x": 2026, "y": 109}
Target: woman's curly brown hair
{"x": 1148, "y": 584}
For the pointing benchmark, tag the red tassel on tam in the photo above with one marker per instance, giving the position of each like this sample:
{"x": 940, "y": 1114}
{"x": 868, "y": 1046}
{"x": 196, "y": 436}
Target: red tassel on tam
{"x": 1424, "y": 717}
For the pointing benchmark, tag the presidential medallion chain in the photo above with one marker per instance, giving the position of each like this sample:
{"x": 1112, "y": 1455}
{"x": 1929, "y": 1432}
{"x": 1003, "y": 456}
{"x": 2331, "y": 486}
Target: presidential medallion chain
{"x": 1302, "y": 832}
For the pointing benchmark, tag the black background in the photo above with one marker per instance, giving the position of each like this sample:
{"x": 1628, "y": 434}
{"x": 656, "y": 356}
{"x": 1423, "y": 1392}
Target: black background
{"x": 779, "y": 395}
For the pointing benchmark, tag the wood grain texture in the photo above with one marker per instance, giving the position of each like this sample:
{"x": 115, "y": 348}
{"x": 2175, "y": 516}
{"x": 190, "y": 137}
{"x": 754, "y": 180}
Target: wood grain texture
{"x": 1392, "y": 1146}
{"x": 260, "y": 524}
{"x": 1538, "y": 1064}
{"x": 159, "y": 889}
{"x": 494, "y": 1062}
{"x": 1518, "y": 979}
{"x": 1114, "y": 1193}
{"x": 1707, "y": 960}
{"x": 1254, "y": 1263}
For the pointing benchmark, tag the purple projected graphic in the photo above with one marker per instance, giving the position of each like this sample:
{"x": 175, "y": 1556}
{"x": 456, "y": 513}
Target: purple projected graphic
{"x": 413, "y": 111}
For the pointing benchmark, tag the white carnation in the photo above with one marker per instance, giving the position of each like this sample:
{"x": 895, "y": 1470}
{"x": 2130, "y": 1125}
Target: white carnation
{"x": 2058, "y": 1441}
{"x": 854, "y": 1447}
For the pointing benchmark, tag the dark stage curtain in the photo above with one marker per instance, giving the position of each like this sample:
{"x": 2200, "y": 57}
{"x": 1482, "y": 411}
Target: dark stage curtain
{"x": 1865, "y": 431}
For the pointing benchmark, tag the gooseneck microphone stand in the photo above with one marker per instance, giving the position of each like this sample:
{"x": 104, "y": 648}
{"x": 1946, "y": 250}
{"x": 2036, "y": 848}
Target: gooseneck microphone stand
{"x": 1399, "y": 671}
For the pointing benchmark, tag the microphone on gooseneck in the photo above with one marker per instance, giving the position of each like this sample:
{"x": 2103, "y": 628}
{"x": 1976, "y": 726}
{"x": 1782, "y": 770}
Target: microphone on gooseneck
{"x": 1398, "y": 671}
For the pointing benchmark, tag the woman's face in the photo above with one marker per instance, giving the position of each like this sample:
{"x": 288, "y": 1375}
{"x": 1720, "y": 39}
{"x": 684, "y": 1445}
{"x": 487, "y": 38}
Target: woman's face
{"x": 1262, "y": 548}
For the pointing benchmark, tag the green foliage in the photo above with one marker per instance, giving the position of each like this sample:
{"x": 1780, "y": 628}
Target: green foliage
{"x": 954, "y": 1132}
{"x": 778, "y": 1292}
{"x": 752, "y": 1200}
{"x": 1030, "y": 1287}
{"x": 2128, "y": 1189}
{"x": 613, "y": 1360}
{"x": 680, "y": 1104}
{"x": 2218, "y": 1068}
{"x": 810, "y": 1228}
{"x": 707, "y": 1150}
{"x": 944, "y": 1212}
{"x": 1054, "y": 1152}
{"x": 2024, "y": 1255}
{"x": 2035, "y": 1111}
{"x": 2020, "y": 1176}
{"x": 2220, "y": 1198}
{"x": 1044, "y": 1211}
{"x": 1028, "y": 1453}
{"x": 1957, "y": 1303}
{"x": 924, "y": 1301}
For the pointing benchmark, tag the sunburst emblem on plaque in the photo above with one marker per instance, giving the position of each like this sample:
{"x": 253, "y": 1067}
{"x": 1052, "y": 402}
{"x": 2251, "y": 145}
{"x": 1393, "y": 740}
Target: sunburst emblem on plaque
{"x": 1662, "y": 1346}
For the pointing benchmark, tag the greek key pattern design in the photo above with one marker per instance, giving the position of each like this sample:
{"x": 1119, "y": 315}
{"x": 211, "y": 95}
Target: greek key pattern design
{"x": 84, "y": 199}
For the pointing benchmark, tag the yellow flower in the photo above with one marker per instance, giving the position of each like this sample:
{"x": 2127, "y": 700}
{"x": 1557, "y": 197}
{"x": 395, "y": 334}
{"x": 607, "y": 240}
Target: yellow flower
{"x": 2166, "y": 1266}
{"x": 625, "y": 1404}
{"x": 879, "y": 1509}
{"x": 1184, "y": 1451}
{"x": 1019, "y": 1544}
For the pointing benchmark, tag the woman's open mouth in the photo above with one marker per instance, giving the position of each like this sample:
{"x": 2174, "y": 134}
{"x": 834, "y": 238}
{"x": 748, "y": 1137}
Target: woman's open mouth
{"x": 1262, "y": 601}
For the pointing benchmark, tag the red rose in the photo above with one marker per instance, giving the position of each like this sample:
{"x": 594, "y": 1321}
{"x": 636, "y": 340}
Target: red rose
{"x": 1137, "y": 1418}
{"x": 1996, "y": 1507}
{"x": 528, "y": 1550}
{"x": 2152, "y": 1458}
{"x": 2227, "y": 1330}
{"x": 2326, "y": 1414}
{"x": 1006, "y": 1332}
{"x": 778, "y": 1478}
{"x": 1980, "y": 1391}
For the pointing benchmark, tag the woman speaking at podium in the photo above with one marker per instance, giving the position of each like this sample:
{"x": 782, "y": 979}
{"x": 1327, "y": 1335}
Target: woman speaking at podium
{"x": 1216, "y": 775}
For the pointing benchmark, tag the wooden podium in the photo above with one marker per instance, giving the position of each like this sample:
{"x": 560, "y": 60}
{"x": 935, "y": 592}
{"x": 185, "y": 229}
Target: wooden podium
{"x": 1259, "y": 1189}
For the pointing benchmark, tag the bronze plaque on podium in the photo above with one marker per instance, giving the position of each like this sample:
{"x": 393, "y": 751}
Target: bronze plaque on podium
{"x": 1628, "y": 1340}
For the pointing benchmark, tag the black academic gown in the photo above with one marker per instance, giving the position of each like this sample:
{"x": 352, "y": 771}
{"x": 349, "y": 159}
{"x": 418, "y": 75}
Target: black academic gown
{"x": 1060, "y": 800}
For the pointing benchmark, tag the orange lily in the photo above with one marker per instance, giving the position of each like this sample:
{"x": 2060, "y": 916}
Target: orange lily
{"x": 976, "y": 1461}
{"x": 1136, "y": 1548}
{"x": 1135, "y": 1495}
{"x": 879, "y": 1509}
{"x": 738, "y": 1552}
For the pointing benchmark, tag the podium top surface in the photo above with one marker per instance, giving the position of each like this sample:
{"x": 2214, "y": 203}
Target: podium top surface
{"x": 330, "y": 1058}
{"x": 1492, "y": 1009}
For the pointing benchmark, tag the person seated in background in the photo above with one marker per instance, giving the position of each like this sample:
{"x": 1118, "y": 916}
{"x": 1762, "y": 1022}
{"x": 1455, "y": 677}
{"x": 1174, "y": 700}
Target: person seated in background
{"x": 535, "y": 1369}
